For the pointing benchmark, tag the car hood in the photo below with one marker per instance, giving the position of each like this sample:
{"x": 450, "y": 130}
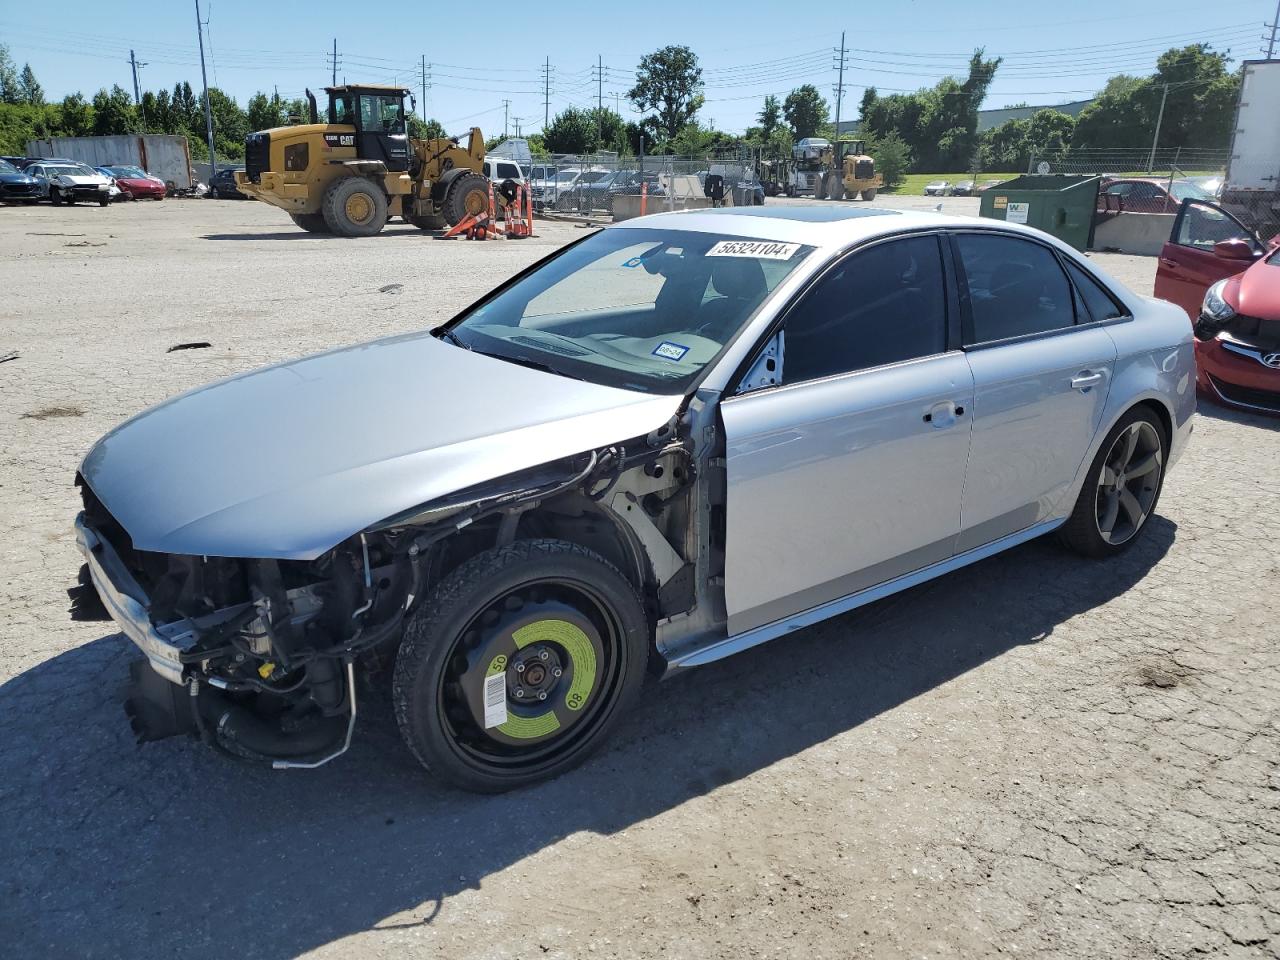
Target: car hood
{"x": 1258, "y": 291}
{"x": 90, "y": 181}
{"x": 135, "y": 183}
{"x": 16, "y": 178}
{"x": 290, "y": 460}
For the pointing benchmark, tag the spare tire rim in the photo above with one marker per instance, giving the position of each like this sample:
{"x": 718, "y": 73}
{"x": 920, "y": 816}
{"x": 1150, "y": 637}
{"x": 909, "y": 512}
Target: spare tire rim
{"x": 531, "y": 676}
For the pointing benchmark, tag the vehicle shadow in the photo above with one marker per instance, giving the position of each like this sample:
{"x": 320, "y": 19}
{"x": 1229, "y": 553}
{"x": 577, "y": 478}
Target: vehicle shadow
{"x": 1208, "y": 407}
{"x": 391, "y": 230}
{"x": 171, "y": 849}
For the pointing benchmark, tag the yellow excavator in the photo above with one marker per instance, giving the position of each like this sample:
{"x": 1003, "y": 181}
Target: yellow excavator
{"x": 846, "y": 172}
{"x": 348, "y": 175}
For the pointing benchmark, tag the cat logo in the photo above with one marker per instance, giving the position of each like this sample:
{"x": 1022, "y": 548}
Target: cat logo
{"x": 332, "y": 140}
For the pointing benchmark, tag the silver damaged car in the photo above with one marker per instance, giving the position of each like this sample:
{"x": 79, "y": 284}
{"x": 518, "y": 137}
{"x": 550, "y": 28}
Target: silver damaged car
{"x": 672, "y": 440}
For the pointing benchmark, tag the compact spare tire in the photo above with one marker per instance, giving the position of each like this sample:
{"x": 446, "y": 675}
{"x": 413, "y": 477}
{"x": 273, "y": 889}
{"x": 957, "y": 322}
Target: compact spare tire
{"x": 355, "y": 207}
{"x": 518, "y": 664}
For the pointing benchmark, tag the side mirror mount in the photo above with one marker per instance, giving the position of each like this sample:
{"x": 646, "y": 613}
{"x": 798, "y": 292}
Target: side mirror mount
{"x": 1234, "y": 249}
{"x": 767, "y": 370}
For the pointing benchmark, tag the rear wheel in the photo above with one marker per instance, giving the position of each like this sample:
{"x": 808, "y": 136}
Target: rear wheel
{"x": 431, "y": 221}
{"x": 467, "y": 196}
{"x": 310, "y": 222}
{"x": 355, "y": 207}
{"x": 869, "y": 193}
{"x": 1122, "y": 488}
{"x": 819, "y": 187}
{"x": 518, "y": 664}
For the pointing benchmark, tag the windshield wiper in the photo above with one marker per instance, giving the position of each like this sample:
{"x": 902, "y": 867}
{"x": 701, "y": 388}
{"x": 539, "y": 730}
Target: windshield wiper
{"x": 454, "y": 339}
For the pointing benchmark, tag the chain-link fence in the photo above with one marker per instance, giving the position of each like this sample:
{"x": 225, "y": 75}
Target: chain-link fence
{"x": 592, "y": 185}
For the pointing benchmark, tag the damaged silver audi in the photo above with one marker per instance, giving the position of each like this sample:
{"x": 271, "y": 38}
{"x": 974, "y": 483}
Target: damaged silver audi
{"x": 672, "y": 440}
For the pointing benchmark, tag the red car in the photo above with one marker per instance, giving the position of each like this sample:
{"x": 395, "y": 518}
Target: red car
{"x": 137, "y": 183}
{"x": 1147, "y": 195}
{"x": 1228, "y": 281}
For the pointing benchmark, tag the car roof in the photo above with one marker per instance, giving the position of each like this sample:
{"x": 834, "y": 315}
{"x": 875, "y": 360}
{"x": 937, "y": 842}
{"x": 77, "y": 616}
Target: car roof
{"x": 819, "y": 225}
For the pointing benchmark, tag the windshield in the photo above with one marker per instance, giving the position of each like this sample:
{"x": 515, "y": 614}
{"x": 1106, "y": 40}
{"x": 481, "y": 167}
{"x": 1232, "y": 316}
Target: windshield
{"x": 7, "y": 167}
{"x": 566, "y": 176}
{"x": 591, "y": 176}
{"x": 632, "y": 308}
{"x": 1186, "y": 190}
{"x": 70, "y": 170}
{"x": 132, "y": 173}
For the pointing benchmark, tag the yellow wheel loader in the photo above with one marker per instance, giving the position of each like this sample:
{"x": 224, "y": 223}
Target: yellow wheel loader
{"x": 846, "y": 172}
{"x": 348, "y": 175}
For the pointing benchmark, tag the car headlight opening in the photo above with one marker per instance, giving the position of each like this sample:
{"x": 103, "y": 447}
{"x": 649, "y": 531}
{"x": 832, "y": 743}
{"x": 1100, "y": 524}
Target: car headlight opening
{"x": 1214, "y": 306}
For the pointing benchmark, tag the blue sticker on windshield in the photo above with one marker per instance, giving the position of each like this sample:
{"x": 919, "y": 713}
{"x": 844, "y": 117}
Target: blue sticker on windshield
{"x": 633, "y": 262}
{"x": 670, "y": 351}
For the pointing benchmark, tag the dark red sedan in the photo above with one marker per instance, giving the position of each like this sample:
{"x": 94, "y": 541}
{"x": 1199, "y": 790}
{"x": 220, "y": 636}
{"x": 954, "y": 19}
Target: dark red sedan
{"x": 137, "y": 183}
{"x": 1228, "y": 281}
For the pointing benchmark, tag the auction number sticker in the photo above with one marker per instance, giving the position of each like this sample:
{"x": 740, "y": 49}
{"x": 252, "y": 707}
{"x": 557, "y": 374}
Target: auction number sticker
{"x": 670, "y": 351}
{"x": 495, "y": 700}
{"x": 761, "y": 249}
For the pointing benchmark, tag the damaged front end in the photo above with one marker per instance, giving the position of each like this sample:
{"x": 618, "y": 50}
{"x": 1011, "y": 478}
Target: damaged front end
{"x": 261, "y": 656}
{"x": 256, "y": 655}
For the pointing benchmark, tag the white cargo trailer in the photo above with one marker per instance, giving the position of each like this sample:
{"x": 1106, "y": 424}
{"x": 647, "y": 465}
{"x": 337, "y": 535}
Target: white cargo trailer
{"x": 1252, "y": 185}
{"x": 161, "y": 155}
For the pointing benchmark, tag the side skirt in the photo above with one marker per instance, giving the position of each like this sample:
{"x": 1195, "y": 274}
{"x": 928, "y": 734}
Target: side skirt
{"x": 727, "y": 647}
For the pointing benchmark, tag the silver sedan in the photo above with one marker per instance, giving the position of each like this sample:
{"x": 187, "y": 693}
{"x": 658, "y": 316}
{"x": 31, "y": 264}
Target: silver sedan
{"x": 675, "y": 439}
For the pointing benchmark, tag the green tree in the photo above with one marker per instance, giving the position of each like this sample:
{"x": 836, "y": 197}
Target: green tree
{"x": 265, "y": 112}
{"x": 430, "y": 130}
{"x": 892, "y": 157}
{"x": 10, "y": 89}
{"x": 76, "y": 116}
{"x": 770, "y": 117}
{"x": 571, "y": 131}
{"x": 668, "y": 82}
{"x": 113, "y": 112}
{"x": 805, "y": 111}
{"x": 29, "y": 88}
{"x": 611, "y": 130}
{"x": 695, "y": 140}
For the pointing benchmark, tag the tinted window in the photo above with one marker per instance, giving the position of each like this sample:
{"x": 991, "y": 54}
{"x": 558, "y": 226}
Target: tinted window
{"x": 1016, "y": 287}
{"x": 880, "y": 305}
{"x": 1099, "y": 303}
{"x": 1201, "y": 226}
{"x": 508, "y": 171}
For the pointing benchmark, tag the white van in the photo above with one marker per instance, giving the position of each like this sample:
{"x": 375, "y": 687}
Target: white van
{"x": 498, "y": 169}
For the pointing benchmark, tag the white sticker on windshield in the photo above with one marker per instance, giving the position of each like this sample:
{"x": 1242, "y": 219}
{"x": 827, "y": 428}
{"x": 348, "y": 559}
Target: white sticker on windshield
{"x": 761, "y": 249}
{"x": 670, "y": 351}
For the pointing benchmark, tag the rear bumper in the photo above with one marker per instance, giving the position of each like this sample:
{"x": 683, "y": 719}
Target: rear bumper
{"x": 164, "y": 646}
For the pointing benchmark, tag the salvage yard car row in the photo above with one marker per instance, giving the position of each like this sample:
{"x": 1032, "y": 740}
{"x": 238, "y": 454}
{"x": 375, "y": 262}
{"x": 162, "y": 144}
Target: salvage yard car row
{"x": 58, "y": 180}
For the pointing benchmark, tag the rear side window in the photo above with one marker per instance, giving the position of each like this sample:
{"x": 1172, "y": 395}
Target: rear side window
{"x": 1016, "y": 288}
{"x": 1099, "y": 304}
{"x": 880, "y": 305}
{"x": 508, "y": 171}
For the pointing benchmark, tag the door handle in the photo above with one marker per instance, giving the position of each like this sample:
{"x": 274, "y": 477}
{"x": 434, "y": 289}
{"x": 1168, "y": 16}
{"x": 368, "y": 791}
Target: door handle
{"x": 1171, "y": 264}
{"x": 1086, "y": 379}
{"x": 943, "y": 414}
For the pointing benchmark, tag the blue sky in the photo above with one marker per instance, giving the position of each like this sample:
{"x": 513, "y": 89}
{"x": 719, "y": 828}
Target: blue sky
{"x": 747, "y": 49}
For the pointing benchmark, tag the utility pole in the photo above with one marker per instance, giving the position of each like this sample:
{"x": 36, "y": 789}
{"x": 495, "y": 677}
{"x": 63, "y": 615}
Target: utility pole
{"x": 1151, "y": 160}
{"x": 841, "y": 54}
{"x": 137, "y": 92}
{"x": 208, "y": 113}
{"x": 546, "y": 95}
{"x": 599, "y": 82}
{"x": 1274, "y": 24}
{"x": 517, "y": 120}
{"x": 506, "y": 106}
{"x": 426, "y": 82}
{"x": 335, "y": 62}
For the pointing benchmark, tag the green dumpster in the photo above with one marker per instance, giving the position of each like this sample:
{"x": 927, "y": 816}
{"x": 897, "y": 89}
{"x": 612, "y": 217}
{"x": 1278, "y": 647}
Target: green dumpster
{"x": 1058, "y": 203}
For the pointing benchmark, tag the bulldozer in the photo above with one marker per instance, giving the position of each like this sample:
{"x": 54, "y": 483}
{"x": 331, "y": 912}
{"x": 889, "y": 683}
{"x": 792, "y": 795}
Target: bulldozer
{"x": 348, "y": 175}
{"x": 846, "y": 172}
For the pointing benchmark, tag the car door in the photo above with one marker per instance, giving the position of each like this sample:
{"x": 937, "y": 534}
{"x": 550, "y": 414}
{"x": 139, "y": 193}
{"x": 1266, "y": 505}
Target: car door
{"x": 1188, "y": 264}
{"x": 849, "y": 471}
{"x": 1040, "y": 381}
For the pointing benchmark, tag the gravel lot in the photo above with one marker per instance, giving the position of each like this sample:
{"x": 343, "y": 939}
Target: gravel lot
{"x": 1036, "y": 756}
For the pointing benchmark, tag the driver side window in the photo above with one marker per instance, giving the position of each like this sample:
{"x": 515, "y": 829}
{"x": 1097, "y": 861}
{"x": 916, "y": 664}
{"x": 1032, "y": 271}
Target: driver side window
{"x": 1201, "y": 226}
{"x": 881, "y": 305}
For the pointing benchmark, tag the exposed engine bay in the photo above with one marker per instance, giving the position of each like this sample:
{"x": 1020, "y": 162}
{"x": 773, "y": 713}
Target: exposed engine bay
{"x": 263, "y": 658}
